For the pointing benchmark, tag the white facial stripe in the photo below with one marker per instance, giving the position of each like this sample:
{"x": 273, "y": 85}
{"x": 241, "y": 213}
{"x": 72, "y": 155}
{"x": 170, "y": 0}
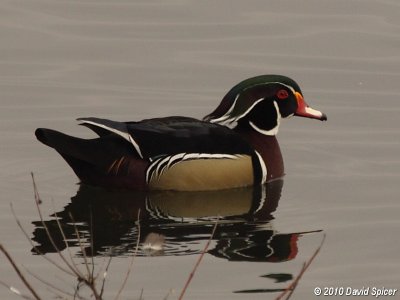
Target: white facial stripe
{"x": 225, "y": 119}
{"x": 288, "y": 86}
{"x": 225, "y": 116}
{"x": 125, "y": 135}
{"x": 249, "y": 109}
{"x": 273, "y": 131}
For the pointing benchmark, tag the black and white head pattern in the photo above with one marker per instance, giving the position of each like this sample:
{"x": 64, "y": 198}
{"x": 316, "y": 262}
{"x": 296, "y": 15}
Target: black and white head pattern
{"x": 260, "y": 103}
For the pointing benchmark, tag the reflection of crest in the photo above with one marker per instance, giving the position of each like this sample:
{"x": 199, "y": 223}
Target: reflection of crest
{"x": 173, "y": 223}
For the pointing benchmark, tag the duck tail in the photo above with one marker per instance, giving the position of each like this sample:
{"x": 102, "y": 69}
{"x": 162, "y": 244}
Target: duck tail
{"x": 47, "y": 136}
{"x": 105, "y": 160}
{"x": 62, "y": 143}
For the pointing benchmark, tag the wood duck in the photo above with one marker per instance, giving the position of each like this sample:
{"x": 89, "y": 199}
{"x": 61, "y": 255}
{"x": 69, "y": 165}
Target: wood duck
{"x": 233, "y": 146}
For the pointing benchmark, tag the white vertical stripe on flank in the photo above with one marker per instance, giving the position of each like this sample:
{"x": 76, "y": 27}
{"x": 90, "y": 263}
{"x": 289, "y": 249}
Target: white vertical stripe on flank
{"x": 263, "y": 168}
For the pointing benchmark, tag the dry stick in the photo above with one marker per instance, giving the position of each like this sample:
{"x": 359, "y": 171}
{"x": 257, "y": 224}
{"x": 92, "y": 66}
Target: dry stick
{"x": 64, "y": 237}
{"x": 133, "y": 257}
{"x": 20, "y": 275}
{"x": 91, "y": 240}
{"x": 36, "y": 248}
{"x": 48, "y": 284}
{"x": 293, "y": 285}
{"x": 82, "y": 248}
{"x": 89, "y": 280}
{"x": 104, "y": 276}
{"x": 76, "y": 294}
{"x": 37, "y": 202}
{"x": 15, "y": 291}
{"x": 198, "y": 261}
{"x": 167, "y": 296}
{"x": 101, "y": 267}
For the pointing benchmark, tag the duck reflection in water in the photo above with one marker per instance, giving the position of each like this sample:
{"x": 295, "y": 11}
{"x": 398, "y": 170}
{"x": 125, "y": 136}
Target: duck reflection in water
{"x": 172, "y": 223}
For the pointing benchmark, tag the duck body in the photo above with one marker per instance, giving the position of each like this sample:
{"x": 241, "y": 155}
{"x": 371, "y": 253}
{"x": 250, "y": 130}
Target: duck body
{"x": 232, "y": 147}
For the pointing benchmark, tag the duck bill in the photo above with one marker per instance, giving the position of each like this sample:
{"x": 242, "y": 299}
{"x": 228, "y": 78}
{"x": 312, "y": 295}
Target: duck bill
{"x": 303, "y": 110}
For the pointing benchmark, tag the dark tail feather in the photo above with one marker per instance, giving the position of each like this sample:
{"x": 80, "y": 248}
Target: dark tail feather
{"x": 68, "y": 145}
{"x": 46, "y": 136}
{"x": 107, "y": 160}
{"x": 99, "y": 152}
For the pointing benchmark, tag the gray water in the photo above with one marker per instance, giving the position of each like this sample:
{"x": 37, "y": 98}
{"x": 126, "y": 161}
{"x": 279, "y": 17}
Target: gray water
{"x": 60, "y": 60}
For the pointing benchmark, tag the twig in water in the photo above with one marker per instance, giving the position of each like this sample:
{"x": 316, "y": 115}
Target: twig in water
{"x": 198, "y": 262}
{"x": 19, "y": 273}
{"x": 53, "y": 262}
{"x": 293, "y": 285}
{"x": 63, "y": 236}
{"x": 88, "y": 280}
{"x": 91, "y": 239}
{"x": 15, "y": 290}
{"x": 171, "y": 291}
{"x": 104, "y": 276}
{"x": 48, "y": 284}
{"x": 133, "y": 258}
{"x": 86, "y": 263}
{"x": 73, "y": 268}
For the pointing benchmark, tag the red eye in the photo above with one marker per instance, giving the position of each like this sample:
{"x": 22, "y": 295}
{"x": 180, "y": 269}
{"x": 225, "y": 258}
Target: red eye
{"x": 282, "y": 94}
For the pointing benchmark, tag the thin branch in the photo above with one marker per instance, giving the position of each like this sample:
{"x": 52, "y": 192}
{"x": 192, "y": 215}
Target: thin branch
{"x": 47, "y": 283}
{"x": 64, "y": 238}
{"x": 19, "y": 273}
{"x": 76, "y": 294}
{"x": 141, "y": 294}
{"x": 89, "y": 279}
{"x": 34, "y": 246}
{"x": 15, "y": 290}
{"x": 133, "y": 258}
{"x": 105, "y": 276}
{"x": 171, "y": 291}
{"x": 91, "y": 239}
{"x": 37, "y": 202}
{"x": 293, "y": 285}
{"x": 198, "y": 262}
{"x": 82, "y": 248}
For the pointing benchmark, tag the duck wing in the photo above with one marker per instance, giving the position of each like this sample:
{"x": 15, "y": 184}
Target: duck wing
{"x": 160, "y": 137}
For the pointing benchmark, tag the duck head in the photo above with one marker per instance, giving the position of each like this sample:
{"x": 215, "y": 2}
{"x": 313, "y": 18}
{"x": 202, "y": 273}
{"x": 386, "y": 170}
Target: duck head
{"x": 260, "y": 103}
